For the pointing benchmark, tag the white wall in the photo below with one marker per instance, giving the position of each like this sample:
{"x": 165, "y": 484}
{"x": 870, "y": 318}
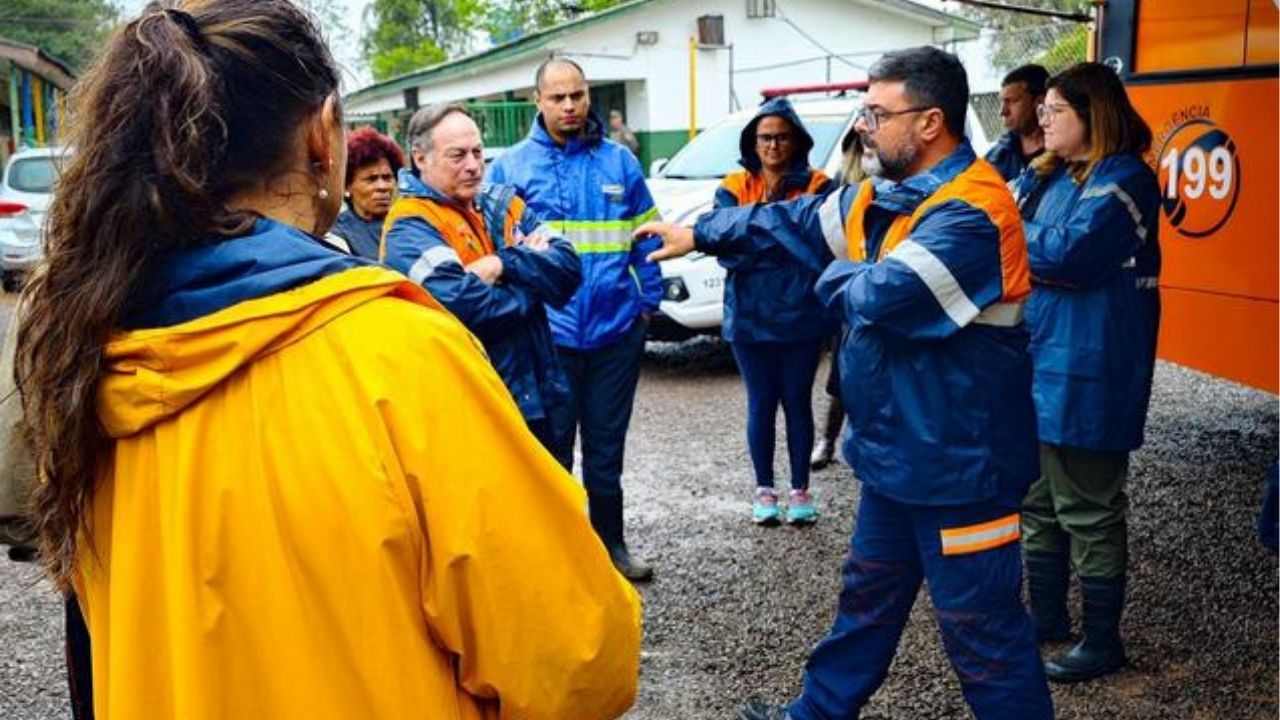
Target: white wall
{"x": 657, "y": 76}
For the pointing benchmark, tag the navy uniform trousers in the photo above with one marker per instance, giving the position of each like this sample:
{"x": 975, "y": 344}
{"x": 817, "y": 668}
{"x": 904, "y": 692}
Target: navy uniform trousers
{"x": 971, "y": 558}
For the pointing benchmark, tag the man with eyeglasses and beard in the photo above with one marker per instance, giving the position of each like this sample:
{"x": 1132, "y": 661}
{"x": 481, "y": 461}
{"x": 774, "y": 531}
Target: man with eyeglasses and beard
{"x": 926, "y": 264}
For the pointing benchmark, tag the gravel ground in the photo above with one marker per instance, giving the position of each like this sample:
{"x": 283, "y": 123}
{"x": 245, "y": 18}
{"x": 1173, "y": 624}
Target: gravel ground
{"x": 735, "y": 608}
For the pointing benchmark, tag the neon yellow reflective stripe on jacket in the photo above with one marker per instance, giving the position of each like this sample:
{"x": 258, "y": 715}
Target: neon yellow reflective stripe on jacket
{"x": 601, "y": 236}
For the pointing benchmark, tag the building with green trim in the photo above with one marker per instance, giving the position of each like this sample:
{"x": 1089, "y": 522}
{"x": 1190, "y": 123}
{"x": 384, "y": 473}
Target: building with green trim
{"x": 33, "y": 87}
{"x": 667, "y": 65}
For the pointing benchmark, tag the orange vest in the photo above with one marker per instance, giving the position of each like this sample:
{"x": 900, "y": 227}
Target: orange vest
{"x": 463, "y": 228}
{"x": 979, "y": 185}
{"x": 749, "y": 188}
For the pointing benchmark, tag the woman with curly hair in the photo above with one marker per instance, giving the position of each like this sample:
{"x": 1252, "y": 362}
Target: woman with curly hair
{"x": 283, "y": 482}
{"x": 373, "y": 159}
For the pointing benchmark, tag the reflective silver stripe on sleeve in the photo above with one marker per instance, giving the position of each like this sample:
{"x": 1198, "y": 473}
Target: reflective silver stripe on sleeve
{"x": 944, "y": 286}
{"x": 1001, "y": 314}
{"x": 1113, "y": 189}
{"x": 833, "y": 226}
{"x": 433, "y": 258}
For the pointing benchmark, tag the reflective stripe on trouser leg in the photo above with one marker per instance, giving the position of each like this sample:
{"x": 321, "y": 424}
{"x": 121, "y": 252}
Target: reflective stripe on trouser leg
{"x": 1091, "y": 507}
{"x": 880, "y": 580}
{"x": 976, "y": 594}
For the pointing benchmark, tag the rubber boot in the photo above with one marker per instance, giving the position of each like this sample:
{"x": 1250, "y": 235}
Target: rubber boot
{"x": 606, "y": 518}
{"x": 1101, "y": 652}
{"x": 1047, "y": 576}
{"x": 825, "y": 448}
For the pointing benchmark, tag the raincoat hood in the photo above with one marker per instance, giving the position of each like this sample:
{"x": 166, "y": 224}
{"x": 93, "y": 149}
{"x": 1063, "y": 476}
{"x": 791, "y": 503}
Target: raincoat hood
{"x": 780, "y": 107}
{"x": 211, "y": 310}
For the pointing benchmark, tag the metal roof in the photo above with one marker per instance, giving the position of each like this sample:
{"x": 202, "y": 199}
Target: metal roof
{"x": 38, "y": 61}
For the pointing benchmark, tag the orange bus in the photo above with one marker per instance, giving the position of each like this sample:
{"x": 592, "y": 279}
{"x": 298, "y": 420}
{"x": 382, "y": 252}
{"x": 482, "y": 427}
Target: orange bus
{"x": 1204, "y": 75}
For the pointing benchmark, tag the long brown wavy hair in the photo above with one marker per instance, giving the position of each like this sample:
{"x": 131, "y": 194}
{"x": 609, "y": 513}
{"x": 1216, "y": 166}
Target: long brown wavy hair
{"x": 186, "y": 105}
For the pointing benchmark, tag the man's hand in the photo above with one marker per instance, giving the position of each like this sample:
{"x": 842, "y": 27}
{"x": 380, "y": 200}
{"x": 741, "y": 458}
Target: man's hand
{"x": 677, "y": 240}
{"x": 487, "y": 268}
{"x": 538, "y": 242}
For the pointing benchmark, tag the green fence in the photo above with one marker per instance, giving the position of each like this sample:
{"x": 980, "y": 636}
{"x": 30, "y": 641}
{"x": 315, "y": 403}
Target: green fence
{"x": 503, "y": 124}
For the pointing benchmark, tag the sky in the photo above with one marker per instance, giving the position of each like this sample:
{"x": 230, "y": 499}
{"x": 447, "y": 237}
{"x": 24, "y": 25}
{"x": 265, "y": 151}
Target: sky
{"x": 347, "y": 52}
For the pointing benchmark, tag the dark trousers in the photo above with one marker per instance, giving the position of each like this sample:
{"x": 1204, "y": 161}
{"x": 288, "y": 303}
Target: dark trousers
{"x": 779, "y": 373}
{"x": 602, "y": 388}
{"x": 975, "y": 589}
{"x": 79, "y": 671}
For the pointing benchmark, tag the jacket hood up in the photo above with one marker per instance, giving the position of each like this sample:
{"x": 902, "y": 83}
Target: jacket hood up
{"x": 779, "y": 107}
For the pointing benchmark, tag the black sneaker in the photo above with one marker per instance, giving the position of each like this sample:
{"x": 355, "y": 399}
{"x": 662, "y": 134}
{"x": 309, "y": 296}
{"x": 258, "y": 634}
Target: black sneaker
{"x": 757, "y": 710}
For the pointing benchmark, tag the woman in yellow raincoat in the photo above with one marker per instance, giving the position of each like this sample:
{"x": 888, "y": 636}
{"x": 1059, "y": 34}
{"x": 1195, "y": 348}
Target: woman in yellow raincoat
{"x": 283, "y": 482}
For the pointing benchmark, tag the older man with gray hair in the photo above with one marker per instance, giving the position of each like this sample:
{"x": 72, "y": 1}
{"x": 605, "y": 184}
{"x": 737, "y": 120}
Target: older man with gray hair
{"x": 485, "y": 257}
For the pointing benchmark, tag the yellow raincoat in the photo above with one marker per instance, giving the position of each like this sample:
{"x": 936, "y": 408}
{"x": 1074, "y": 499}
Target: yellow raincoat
{"x": 324, "y": 504}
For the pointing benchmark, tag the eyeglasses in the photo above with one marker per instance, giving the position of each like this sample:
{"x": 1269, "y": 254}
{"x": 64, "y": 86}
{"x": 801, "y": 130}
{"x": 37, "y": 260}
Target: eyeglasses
{"x": 873, "y": 118}
{"x": 1046, "y": 112}
{"x": 778, "y": 139}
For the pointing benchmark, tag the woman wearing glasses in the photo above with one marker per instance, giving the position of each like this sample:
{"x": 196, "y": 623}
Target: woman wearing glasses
{"x": 772, "y": 319}
{"x": 1090, "y": 206}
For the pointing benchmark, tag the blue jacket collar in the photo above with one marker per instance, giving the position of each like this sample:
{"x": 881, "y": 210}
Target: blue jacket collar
{"x": 191, "y": 283}
{"x": 408, "y": 184}
{"x": 591, "y": 137}
{"x": 904, "y": 197}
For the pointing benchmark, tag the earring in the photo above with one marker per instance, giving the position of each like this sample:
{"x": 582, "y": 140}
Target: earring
{"x": 324, "y": 193}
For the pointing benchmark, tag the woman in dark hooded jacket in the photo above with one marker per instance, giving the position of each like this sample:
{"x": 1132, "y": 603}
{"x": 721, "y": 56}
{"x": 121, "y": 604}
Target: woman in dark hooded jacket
{"x": 772, "y": 319}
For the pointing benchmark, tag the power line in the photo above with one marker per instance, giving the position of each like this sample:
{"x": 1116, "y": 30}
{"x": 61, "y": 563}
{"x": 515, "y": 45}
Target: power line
{"x": 781, "y": 16}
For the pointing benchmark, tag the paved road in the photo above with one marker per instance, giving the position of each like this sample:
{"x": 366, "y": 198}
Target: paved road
{"x": 736, "y": 608}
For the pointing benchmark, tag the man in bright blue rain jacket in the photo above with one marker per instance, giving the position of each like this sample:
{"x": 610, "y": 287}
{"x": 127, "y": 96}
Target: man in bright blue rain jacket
{"x": 927, "y": 265}
{"x": 592, "y": 190}
{"x": 485, "y": 257}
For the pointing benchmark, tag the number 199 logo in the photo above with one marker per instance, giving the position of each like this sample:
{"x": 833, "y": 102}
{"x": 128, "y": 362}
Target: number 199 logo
{"x": 1199, "y": 177}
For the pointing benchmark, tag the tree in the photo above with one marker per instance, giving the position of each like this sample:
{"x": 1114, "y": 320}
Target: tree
{"x": 69, "y": 30}
{"x": 507, "y": 20}
{"x": 1026, "y": 37}
{"x": 406, "y": 35}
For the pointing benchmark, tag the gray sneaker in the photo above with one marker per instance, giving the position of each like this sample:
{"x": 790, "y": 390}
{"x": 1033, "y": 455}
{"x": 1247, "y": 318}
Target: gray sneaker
{"x": 756, "y": 710}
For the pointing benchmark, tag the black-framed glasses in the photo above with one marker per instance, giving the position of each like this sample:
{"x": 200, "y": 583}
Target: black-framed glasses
{"x": 776, "y": 139}
{"x": 873, "y": 118}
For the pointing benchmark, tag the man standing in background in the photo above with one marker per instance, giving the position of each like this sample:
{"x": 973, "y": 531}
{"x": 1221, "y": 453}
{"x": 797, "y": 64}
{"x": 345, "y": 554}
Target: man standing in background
{"x": 621, "y": 134}
{"x": 592, "y": 191}
{"x": 1020, "y": 92}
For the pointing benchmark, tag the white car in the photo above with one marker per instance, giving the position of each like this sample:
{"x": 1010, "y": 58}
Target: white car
{"x": 684, "y": 188}
{"x": 26, "y": 190}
